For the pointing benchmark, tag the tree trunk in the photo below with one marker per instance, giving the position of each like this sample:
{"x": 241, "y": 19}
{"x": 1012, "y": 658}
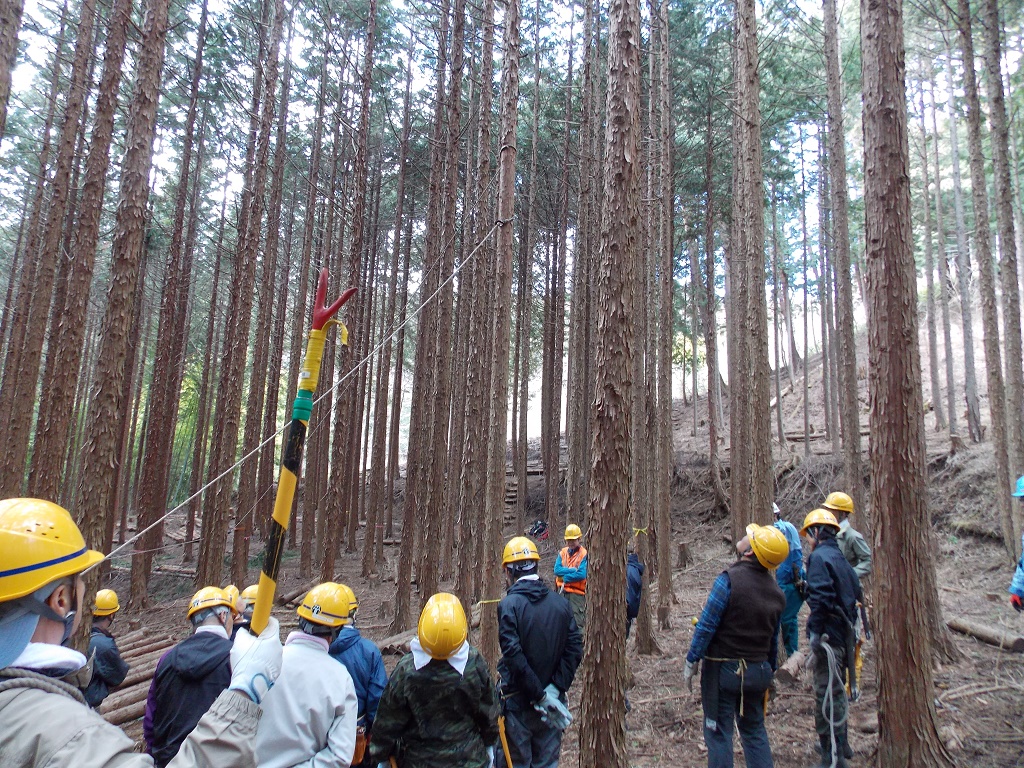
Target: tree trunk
{"x": 983, "y": 248}
{"x": 105, "y": 417}
{"x": 963, "y": 276}
{"x": 749, "y": 381}
{"x": 496, "y": 443}
{"x": 846, "y": 381}
{"x": 10, "y": 25}
{"x": 999, "y": 140}
{"x": 908, "y": 733}
{"x": 602, "y": 709}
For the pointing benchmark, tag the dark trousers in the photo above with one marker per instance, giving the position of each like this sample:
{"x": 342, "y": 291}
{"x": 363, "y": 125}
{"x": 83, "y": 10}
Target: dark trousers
{"x": 720, "y": 715}
{"x": 789, "y": 623}
{"x": 834, "y": 716}
{"x": 532, "y": 743}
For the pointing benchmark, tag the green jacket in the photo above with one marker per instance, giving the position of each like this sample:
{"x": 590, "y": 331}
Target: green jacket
{"x": 434, "y": 717}
{"x": 856, "y": 551}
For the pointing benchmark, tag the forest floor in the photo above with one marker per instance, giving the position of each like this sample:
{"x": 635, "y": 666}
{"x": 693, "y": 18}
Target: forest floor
{"x": 979, "y": 699}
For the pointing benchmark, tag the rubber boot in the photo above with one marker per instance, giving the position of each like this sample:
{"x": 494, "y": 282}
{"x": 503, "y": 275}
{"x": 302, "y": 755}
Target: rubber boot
{"x": 826, "y": 752}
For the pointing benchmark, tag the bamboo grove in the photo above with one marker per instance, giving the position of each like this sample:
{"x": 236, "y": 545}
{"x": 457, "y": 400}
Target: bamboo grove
{"x": 174, "y": 176}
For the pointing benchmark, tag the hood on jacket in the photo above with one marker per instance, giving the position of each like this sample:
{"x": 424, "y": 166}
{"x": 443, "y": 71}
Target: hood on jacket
{"x": 533, "y": 589}
{"x": 348, "y": 637}
{"x": 196, "y": 657}
{"x": 633, "y": 559}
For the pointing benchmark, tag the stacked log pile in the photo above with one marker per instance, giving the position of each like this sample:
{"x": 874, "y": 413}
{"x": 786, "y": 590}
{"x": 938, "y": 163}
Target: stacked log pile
{"x": 142, "y": 651}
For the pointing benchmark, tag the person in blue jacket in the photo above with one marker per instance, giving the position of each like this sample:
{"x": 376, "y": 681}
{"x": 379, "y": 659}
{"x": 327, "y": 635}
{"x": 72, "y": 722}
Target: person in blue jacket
{"x": 634, "y": 587}
{"x": 1017, "y": 584}
{"x": 364, "y": 663}
{"x": 792, "y": 578}
{"x": 108, "y": 668}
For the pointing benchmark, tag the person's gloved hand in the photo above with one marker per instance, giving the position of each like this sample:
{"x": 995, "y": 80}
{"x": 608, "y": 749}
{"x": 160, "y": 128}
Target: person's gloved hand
{"x": 689, "y": 672}
{"x": 256, "y": 661}
{"x": 552, "y": 710}
{"x": 815, "y": 642}
{"x": 1017, "y": 602}
{"x": 490, "y": 755}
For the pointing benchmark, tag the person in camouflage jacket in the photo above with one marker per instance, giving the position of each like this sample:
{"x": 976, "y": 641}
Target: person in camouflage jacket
{"x": 440, "y": 707}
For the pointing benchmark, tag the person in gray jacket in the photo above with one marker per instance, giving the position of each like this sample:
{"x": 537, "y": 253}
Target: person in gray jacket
{"x": 44, "y": 720}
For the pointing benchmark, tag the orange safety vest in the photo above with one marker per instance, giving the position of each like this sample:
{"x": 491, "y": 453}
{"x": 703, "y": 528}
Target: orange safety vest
{"x": 572, "y": 561}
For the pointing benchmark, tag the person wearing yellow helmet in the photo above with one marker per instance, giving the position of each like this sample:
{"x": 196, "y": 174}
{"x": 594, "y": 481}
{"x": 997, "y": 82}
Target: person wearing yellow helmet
{"x": 43, "y": 715}
{"x": 190, "y": 676}
{"x": 851, "y": 543}
{"x": 363, "y": 660}
{"x": 833, "y": 592}
{"x": 439, "y": 707}
{"x": 792, "y": 579}
{"x": 737, "y": 637}
{"x": 571, "y": 573}
{"x": 541, "y": 648}
{"x": 108, "y": 668}
{"x": 309, "y": 716}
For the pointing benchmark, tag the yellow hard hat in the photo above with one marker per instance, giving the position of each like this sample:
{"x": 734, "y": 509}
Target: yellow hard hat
{"x": 442, "y": 628}
{"x": 249, "y": 593}
{"x": 326, "y": 604}
{"x": 350, "y": 596}
{"x": 519, "y": 548}
{"x": 208, "y": 597}
{"x": 106, "y": 603}
{"x": 39, "y": 543}
{"x": 232, "y": 594}
{"x": 769, "y": 544}
{"x": 572, "y": 531}
{"x": 837, "y": 501}
{"x": 819, "y": 517}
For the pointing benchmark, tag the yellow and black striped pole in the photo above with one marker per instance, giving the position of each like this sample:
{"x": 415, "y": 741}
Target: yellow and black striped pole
{"x": 291, "y": 456}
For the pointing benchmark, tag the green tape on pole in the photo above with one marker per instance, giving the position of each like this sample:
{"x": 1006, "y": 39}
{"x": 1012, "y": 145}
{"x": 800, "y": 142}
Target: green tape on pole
{"x": 302, "y": 408}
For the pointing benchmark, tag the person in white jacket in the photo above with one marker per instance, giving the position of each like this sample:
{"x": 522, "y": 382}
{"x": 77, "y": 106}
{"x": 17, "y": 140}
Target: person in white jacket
{"x": 309, "y": 716}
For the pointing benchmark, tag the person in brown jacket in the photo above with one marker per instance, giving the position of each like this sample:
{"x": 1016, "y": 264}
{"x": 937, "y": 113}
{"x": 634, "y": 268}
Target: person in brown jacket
{"x": 44, "y": 720}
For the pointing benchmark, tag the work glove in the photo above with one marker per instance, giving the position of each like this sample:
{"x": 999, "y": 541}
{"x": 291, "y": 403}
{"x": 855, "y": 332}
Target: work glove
{"x": 689, "y": 672}
{"x": 490, "y": 755}
{"x": 1016, "y": 602}
{"x": 552, "y": 710}
{"x": 256, "y": 661}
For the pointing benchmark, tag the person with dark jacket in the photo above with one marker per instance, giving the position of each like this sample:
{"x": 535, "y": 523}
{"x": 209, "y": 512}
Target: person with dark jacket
{"x": 634, "y": 588}
{"x": 190, "y": 676}
{"x": 541, "y": 647}
{"x": 439, "y": 709}
{"x": 833, "y": 591}
{"x": 737, "y": 636}
{"x": 108, "y": 668}
{"x": 362, "y": 659}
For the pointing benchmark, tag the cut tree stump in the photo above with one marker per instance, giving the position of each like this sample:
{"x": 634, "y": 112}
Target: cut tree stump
{"x": 988, "y": 634}
{"x": 684, "y": 556}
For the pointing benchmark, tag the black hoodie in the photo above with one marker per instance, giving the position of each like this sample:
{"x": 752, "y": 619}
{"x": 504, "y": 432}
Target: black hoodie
{"x": 188, "y": 678}
{"x": 540, "y": 642}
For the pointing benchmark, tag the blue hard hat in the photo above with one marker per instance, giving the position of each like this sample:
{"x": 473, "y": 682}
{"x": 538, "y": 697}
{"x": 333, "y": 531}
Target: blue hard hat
{"x": 1019, "y": 491}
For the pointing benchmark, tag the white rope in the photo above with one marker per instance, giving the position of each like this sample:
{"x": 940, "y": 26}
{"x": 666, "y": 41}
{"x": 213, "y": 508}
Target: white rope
{"x": 828, "y": 700}
{"x": 415, "y": 313}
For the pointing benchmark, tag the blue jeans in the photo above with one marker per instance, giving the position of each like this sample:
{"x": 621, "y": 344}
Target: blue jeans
{"x": 532, "y": 743}
{"x": 756, "y": 749}
{"x": 790, "y": 625}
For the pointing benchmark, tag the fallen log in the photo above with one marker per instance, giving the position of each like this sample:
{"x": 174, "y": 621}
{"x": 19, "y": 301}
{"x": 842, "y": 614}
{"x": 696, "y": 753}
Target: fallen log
{"x": 987, "y": 634}
{"x": 130, "y": 638}
{"x": 290, "y": 597}
{"x": 127, "y": 714}
{"x": 789, "y": 673}
{"x": 139, "y": 673}
{"x": 124, "y": 698}
{"x": 142, "y": 650}
{"x": 129, "y": 646}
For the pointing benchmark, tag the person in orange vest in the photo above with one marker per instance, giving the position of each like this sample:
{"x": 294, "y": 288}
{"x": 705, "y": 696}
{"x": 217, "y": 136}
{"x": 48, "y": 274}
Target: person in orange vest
{"x": 571, "y": 573}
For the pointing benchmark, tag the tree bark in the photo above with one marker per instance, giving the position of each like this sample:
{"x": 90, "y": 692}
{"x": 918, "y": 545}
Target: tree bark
{"x": 908, "y": 733}
{"x": 602, "y": 710}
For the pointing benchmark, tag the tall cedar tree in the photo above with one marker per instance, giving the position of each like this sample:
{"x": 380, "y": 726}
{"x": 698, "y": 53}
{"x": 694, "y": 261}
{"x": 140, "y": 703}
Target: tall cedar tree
{"x": 105, "y": 418}
{"x": 849, "y": 405}
{"x": 603, "y": 740}
{"x": 902, "y": 533}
